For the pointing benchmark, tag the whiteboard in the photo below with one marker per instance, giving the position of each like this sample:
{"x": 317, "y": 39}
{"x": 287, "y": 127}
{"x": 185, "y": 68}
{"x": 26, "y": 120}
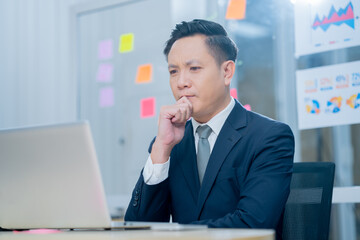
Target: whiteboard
{"x": 108, "y": 94}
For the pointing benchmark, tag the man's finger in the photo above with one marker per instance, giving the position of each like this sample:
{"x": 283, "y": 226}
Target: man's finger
{"x": 185, "y": 101}
{"x": 179, "y": 115}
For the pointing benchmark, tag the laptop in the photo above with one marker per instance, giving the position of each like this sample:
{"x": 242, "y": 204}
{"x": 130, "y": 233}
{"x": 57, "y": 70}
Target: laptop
{"x": 50, "y": 178}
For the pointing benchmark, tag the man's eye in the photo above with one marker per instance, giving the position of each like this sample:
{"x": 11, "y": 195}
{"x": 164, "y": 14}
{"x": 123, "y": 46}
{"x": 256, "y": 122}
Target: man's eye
{"x": 172, "y": 72}
{"x": 194, "y": 68}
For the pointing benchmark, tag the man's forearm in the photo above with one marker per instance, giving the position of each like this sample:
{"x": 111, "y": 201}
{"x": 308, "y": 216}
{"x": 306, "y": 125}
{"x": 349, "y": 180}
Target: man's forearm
{"x": 149, "y": 202}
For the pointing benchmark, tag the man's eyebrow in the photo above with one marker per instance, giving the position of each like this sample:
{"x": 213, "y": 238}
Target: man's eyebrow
{"x": 172, "y": 66}
{"x": 187, "y": 63}
{"x": 192, "y": 61}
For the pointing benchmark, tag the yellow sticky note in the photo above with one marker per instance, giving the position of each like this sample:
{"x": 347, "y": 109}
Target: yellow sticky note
{"x": 236, "y": 9}
{"x": 126, "y": 42}
{"x": 144, "y": 73}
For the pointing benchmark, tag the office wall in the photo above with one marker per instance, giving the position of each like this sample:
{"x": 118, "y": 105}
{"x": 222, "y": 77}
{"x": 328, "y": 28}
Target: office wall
{"x": 35, "y": 82}
{"x": 37, "y": 85}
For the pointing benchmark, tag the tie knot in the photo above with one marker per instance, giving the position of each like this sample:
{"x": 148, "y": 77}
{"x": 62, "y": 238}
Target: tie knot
{"x": 204, "y": 131}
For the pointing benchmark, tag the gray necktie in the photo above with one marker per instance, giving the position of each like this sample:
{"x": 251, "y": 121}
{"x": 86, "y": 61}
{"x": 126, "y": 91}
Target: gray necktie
{"x": 203, "y": 150}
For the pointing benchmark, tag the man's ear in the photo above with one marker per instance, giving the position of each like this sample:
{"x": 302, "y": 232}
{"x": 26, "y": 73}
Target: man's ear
{"x": 228, "y": 68}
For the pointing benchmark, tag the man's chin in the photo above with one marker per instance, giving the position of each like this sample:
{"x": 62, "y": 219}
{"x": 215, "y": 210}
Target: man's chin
{"x": 198, "y": 117}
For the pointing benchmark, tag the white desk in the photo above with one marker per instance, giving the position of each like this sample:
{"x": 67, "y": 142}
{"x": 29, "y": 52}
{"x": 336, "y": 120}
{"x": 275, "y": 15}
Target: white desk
{"x": 213, "y": 234}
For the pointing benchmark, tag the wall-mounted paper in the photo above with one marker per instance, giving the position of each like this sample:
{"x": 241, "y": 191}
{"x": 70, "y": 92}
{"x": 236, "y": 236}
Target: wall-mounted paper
{"x": 233, "y": 93}
{"x": 126, "y": 43}
{"x": 147, "y": 107}
{"x": 236, "y": 9}
{"x": 144, "y": 73}
{"x": 328, "y": 96}
{"x": 326, "y": 25}
{"x": 106, "y": 97}
{"x": 105, "y": 49}
{"x": 105, "y": 72}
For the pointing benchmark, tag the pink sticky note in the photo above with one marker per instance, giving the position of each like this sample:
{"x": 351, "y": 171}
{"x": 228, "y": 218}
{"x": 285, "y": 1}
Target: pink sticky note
{"x": 247, "y": 107}
{"x": 233, "y": 93}
{"x": 105, "y": 72}
{"x": 105, "y": 49}
{"x": 39, "y": 231}
{"x": 106, "y": 97}
{"x": 147, "y": 107}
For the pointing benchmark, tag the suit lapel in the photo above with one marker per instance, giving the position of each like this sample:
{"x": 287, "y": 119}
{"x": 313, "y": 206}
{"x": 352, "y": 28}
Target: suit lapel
{"x": 187, "y": 159}
{"x": 228, "y": 137}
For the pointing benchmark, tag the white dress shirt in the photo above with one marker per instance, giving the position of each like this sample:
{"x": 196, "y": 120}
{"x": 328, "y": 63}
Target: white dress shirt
{"x": 156, "y": 173}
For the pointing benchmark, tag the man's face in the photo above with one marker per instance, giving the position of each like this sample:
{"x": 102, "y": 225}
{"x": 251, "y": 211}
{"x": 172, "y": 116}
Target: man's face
{"x": 195, "y": 74}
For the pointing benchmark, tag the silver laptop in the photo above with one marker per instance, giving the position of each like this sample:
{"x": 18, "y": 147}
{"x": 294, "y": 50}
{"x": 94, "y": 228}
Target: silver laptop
{"x": 50, "y": 178}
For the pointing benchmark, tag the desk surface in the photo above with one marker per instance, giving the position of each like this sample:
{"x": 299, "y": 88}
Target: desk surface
{"x": 213, "y": 234}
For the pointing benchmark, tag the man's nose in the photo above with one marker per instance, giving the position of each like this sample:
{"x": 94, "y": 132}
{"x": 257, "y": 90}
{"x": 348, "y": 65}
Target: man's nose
{"x": 184, "y": 81}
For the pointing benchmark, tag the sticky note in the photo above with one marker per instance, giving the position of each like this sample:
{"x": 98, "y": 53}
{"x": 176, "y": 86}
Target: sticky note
{"x": 39, "y": 231}
{"x": 233, "y": 93}
{"x": 236, "y": 9}
{"x": 105, "y": 72}
{"x": 106, "y": 97}
{"x": 247, "y": 107}
{"x": 147, "y": 107}
{"x": 105, "y": 49}
{"x": 126, "y": 42}
{"x": 144, "y": 73}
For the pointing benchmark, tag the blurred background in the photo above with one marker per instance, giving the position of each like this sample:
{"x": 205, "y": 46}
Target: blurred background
{"x": 298, "y": 62}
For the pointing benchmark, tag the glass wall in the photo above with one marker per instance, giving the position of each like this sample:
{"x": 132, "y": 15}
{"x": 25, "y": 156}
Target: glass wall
{"x": 270, "y": 54}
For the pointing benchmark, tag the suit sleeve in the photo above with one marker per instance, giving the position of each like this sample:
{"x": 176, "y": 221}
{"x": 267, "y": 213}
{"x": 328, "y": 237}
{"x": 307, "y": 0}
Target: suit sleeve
{"x": 149, "y": 202}
{"x": 266, "y": 188}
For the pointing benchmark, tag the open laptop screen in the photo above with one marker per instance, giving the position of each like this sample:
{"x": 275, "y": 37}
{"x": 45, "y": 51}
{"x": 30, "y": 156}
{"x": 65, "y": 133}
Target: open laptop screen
{"x": 50, "y": 178}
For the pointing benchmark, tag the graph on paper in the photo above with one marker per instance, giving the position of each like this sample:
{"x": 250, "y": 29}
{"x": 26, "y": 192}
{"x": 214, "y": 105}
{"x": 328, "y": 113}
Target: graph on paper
{"x": 336, "y": 18}
{"x": 327, "y": 25}
{"x": 328, "y": 96}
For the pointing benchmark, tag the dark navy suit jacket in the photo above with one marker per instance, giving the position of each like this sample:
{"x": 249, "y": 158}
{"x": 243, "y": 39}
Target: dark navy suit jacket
{"x": 246, "y": 183}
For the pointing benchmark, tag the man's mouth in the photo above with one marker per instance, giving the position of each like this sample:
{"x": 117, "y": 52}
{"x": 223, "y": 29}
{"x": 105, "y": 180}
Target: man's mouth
{"x": 187, "y": 96}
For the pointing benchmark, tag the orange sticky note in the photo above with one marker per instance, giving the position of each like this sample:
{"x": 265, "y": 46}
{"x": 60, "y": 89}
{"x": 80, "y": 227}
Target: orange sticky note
{"x": 236, "y": 9}
{"x": 144, "y": 73}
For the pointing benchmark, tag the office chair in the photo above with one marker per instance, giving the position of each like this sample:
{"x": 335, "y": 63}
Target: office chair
{"x": 307, "y": 210}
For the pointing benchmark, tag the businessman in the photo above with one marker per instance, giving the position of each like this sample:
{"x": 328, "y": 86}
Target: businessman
{"x": 226, "y": 166}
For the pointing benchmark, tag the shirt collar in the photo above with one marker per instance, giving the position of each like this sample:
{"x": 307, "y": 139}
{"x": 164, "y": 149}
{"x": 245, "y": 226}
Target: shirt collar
{"x": 218, "y": 120}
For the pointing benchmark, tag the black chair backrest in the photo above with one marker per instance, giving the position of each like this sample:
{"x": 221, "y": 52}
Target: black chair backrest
{"x": 307, "y": 210}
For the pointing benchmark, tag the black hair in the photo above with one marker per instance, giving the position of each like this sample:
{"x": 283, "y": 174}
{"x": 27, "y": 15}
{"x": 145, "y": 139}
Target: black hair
{"x": 221, "y": 47}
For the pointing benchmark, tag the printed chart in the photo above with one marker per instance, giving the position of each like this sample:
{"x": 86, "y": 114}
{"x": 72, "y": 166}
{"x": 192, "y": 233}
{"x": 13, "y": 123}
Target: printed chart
{"x": 326, "y": 25}
{"x": 328, "y": 96}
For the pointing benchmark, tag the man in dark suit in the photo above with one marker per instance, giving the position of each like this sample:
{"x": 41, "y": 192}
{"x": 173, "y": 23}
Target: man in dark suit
{"x": 244, "y": 180}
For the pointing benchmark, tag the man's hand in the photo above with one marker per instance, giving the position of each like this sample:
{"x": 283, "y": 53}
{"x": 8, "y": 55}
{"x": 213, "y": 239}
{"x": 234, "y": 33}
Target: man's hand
{"x": 171, "y": 129}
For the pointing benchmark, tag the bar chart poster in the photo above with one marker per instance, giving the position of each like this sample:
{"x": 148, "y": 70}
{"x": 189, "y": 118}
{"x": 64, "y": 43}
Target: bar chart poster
{"x": 328, "y": 96}
{"x": 326, "y": 25}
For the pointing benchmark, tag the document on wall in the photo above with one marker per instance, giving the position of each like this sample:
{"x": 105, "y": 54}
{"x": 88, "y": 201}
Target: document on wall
{"x": 328, "y": 96}
{"x": 326, "y": 25}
